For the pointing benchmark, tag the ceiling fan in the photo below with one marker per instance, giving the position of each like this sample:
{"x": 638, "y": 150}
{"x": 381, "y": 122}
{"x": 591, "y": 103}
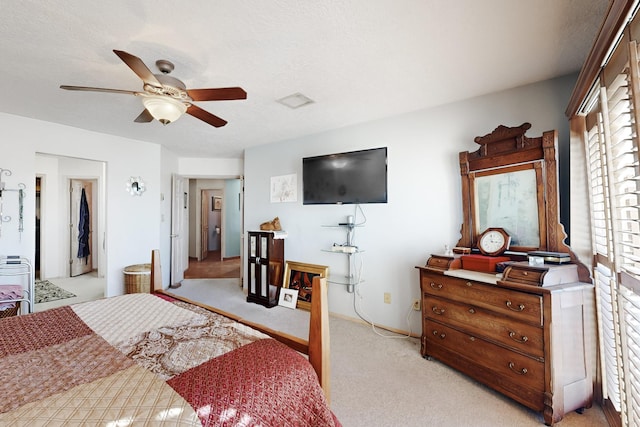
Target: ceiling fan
{"x": 166, "y": 98}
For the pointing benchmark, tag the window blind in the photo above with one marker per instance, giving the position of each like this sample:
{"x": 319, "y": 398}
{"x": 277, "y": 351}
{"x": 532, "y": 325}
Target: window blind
{"x": 611, "y": 143}
{"x": 604, "y": 280}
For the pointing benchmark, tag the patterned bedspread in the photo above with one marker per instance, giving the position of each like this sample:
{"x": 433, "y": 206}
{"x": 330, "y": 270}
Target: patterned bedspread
{"x": 142, "y": 360}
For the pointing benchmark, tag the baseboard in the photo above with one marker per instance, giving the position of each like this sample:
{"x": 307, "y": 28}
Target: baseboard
{"x": 386, "y": 328}
{"x": 610, "y": 413}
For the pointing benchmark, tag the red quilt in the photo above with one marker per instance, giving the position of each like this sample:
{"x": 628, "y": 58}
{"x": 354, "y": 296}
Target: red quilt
{"x": 140, "y": 360}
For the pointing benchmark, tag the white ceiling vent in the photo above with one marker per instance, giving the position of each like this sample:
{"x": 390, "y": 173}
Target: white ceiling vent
{"x": 296, "y": 100}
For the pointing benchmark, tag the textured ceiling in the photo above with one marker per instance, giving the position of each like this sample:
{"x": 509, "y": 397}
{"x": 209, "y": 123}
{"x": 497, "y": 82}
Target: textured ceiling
{"x": 359, "y": 60}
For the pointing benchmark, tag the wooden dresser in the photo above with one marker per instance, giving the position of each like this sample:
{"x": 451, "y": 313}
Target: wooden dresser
{"x": 528, "y": 334}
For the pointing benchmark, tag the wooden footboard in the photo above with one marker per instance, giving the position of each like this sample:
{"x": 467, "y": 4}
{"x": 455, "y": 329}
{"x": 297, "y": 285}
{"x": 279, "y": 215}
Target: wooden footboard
{"x": 317, "y": 346}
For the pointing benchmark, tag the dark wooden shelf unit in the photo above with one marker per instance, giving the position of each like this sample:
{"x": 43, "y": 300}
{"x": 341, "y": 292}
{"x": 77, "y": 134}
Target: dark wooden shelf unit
{"x": 265, "y": 267}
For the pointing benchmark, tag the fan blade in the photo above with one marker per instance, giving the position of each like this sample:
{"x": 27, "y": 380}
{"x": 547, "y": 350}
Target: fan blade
{"x": 144, "y": 117}
{"x": 138, "y": 67}
{"x": 98, "y": 89}
{"x": 217, "y": 94}
{"x": 206, "y": 116}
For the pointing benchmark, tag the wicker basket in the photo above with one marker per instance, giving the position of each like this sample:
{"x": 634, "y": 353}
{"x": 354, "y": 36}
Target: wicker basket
{"x": 137, "y": 278}
{"x": 12, "y": 311}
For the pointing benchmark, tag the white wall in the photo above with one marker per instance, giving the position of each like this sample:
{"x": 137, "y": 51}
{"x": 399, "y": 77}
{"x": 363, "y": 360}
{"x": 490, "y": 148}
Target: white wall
{"x": 423, "y": 212}
{"x": 209, "y": 167}
{"x": 132, "y": 223}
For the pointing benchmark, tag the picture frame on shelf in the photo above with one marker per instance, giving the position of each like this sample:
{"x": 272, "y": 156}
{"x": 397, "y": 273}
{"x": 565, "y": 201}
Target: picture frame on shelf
{"x": 299, "y": 276}
{"x": 288, "y": 298}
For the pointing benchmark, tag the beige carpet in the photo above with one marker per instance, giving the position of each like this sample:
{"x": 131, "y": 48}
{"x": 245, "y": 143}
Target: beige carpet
{"x": 379, "y": 381}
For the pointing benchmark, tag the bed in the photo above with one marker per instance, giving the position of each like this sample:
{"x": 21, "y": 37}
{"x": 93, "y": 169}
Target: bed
{"x": 152, "y": 359}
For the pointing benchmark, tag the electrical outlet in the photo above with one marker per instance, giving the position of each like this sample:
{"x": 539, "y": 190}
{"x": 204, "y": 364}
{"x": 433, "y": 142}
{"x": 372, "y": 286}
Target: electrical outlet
{"x": 387, "y": 298}
{"x": 416, "y": 304}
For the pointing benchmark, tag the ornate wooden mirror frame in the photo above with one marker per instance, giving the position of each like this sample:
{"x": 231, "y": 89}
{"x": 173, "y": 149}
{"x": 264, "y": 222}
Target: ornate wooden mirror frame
{"x": 510, "y": 159}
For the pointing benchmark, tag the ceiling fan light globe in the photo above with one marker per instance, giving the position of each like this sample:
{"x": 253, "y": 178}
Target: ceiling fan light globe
{"x": 164, "y": 109}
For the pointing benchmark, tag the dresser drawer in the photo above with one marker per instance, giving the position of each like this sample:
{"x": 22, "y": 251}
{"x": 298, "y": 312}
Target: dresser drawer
{"x": 479, "y": 322}
{"x": 520, "y": 305}
{"x": 505, "y": 366}
{"x": 439, "y": 262}
{"x": 526, "y": 276}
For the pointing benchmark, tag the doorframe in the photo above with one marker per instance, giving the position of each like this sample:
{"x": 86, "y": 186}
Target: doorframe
{"x": 54, "y": 220}
{"x": 94, "y": 221}
{"x": 41, "y": 236}
{"x": 179, "y": 244}
{"x": 205, "y": 193}
{"x": 203, "y": 226}
{"x": 184, "y": 230}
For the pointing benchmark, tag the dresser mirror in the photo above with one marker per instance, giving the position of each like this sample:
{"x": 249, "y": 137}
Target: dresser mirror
{"x": 510, "y": 182}
{"x": 510, "y": 198}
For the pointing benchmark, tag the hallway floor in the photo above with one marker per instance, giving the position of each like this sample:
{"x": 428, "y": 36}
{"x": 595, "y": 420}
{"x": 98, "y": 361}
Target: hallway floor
{"x": 213, "y": 267}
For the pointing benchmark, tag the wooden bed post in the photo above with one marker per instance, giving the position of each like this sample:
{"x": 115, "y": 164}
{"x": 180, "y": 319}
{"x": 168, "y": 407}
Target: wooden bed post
{"x": 156, "y": 271}
{"x": 319, "y": 334}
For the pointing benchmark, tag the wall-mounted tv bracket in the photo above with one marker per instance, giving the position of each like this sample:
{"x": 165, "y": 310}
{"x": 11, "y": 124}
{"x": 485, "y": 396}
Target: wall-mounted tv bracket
{"x": 21, "y": 195}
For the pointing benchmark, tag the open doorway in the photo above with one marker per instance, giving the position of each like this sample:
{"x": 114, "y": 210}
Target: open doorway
{"x": 82, "y": 221}
{"x": 60, "y": 182}
{"x": 214, "y": 228}
{"x": 211, "y": 225}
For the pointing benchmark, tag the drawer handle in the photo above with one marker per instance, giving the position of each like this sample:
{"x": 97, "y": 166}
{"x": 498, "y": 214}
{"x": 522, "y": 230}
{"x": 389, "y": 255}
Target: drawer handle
{"x": 472, "y": 310}
{"x": 520, "y": 307}
{"x": 439, "y": 335}
{"x": 469, "y": 284}
{"x": 524, "y": 338}
{"x": 522, "y": 371}
{"x": 436, "y": 285}
{"x": 437, "y": 310}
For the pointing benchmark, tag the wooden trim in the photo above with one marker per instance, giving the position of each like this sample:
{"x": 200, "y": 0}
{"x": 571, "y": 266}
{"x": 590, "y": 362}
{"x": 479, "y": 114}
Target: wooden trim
{"x": 156, "y": 271}
{"x": 613, "y": 417}
{"x": 609, "y": 30}
{"x": 319, "y": 333}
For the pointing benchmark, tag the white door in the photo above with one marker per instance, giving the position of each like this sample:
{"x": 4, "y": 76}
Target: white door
{"x": 81, "y": 226}
{"x": 179, "y": 257}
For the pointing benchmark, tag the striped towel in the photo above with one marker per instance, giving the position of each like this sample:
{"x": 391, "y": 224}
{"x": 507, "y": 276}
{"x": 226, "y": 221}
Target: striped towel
{"x": 10, "y": 292}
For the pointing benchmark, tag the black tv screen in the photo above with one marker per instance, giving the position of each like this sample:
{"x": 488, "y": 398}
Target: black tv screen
{"x": 343, "y": 178}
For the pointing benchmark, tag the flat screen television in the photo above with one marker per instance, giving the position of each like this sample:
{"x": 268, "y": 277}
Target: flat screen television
{"x": 345, "y": 178}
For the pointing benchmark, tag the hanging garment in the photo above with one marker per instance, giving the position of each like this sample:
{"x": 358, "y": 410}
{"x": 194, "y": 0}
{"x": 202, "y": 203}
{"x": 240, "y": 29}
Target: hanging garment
{"x": 83, "y": 228}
